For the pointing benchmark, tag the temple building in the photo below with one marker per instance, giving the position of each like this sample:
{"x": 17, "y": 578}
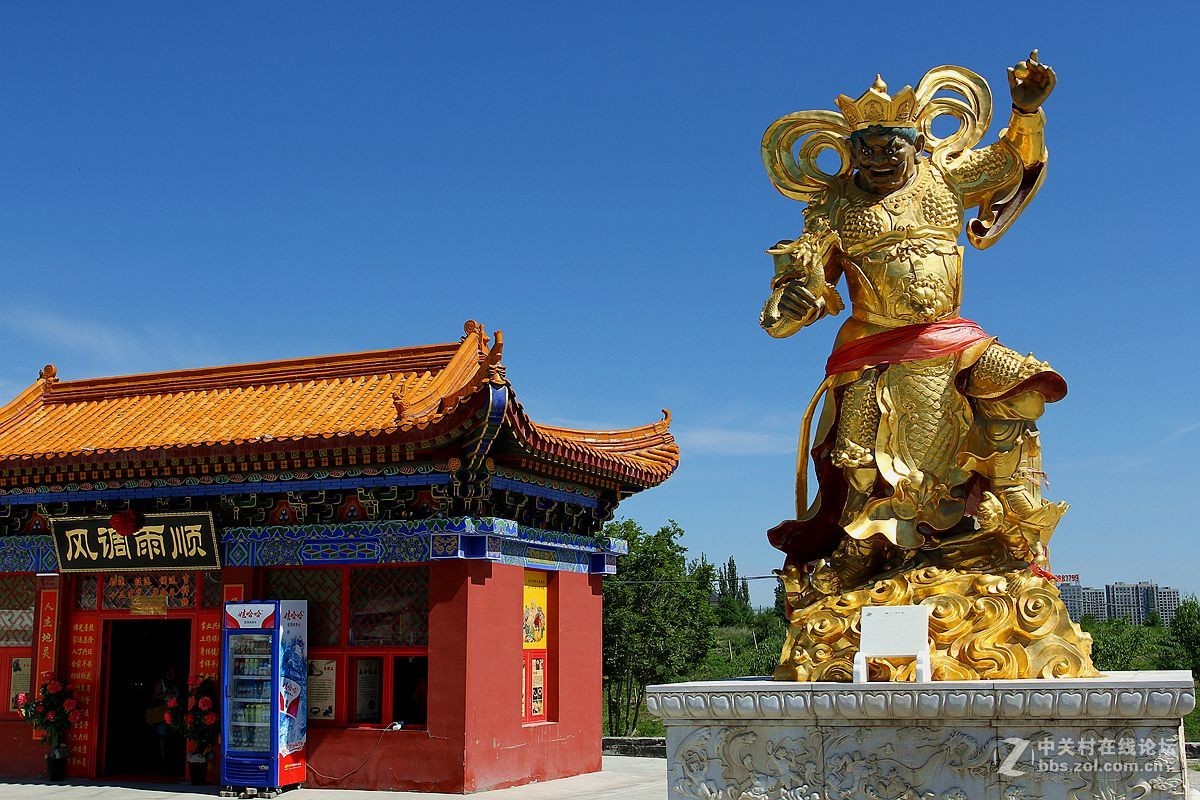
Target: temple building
{"x": 448, "y": 546}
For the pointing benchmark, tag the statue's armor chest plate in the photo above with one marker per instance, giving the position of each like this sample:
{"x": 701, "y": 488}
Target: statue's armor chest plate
{"x": 901, "y": 257}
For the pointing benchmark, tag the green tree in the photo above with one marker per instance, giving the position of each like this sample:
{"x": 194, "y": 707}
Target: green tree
{"x": 780, "y": 600}
{"x": 1115, "y": 644}
{"x": 1120, "y": 645}
{"x": 744, "y": 650}
{"x": 733, "y": 596}
{"x": 1185, "y": 631}
{"x": 658, "y": 618}
{"x": 727, "y": 579}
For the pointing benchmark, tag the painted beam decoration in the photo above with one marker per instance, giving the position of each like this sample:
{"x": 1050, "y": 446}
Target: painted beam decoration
{"x": 34, "y": 553}
{"x": 385, "y": 542}
{"x": 185, "y": 541}
{"x": 417, "y": 541}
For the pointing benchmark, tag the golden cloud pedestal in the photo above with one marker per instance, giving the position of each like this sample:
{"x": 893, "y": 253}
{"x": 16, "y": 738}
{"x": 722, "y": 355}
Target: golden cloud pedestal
{"x": 982, "y": 627}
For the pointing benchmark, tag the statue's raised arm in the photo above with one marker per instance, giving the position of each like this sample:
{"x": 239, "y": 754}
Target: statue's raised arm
{"x": 1002, "y": 178}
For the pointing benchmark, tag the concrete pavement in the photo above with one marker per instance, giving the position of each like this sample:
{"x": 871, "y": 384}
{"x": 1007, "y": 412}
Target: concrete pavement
{"x": 622, "y": 776}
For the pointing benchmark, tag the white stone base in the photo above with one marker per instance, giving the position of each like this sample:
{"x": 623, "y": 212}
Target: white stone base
{"x": 1117, "y": 737}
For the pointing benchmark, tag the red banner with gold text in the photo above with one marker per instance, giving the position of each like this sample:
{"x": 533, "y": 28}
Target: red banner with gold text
{"x": 82, "y": 673}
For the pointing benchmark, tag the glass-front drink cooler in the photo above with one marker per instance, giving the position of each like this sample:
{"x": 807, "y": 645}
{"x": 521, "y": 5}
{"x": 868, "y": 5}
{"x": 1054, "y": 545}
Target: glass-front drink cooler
{"x": 264, "y": 675}
{"x": 248, "y": 723}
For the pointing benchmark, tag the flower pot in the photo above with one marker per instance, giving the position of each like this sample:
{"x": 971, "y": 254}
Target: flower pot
{"x": 198, "y": 772}
{"x": 56, "y": 768}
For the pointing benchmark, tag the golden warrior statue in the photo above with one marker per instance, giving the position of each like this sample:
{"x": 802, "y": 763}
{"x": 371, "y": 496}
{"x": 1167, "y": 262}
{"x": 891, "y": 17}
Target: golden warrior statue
{"x": 926, "y": 452}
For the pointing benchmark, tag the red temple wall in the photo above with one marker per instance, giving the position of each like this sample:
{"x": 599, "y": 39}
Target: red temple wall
{"x": 20, "y": 755}
{"x": 424, "y": 760}
{"x": 474, "y": 740}
{"x": 500, "y": 750}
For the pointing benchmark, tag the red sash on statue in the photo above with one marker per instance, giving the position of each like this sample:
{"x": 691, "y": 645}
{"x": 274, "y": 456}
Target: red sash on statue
{"x": 908, "y": 343}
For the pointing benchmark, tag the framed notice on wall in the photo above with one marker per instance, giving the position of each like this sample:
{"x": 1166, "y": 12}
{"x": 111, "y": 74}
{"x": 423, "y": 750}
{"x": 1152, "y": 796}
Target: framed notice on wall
{"x": 537, "y": 686}
{"x": 535, "y": 618}
{"x": 536, "y": 626}
{"x": 368, "y": 690}
{"x": 19, "y": 681}
{"x": 322, "y": 688}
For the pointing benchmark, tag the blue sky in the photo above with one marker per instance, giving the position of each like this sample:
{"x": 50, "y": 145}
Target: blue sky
{"x": 194, "y": 184}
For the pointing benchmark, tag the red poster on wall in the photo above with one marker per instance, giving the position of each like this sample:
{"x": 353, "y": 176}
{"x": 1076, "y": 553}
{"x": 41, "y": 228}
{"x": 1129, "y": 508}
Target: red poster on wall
{"x": 535, "y": 686}
{"x": 46, "y": 641}
{"x": 208, "y": 645}
{"x": 82, "y": 671}
{"x": 535, "y": 624}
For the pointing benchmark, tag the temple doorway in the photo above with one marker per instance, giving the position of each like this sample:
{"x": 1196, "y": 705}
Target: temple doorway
{"x": 147, "y": 662}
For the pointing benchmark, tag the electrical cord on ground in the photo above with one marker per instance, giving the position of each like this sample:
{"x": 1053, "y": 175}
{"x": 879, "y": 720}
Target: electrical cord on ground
{"x": 378, "y": 741}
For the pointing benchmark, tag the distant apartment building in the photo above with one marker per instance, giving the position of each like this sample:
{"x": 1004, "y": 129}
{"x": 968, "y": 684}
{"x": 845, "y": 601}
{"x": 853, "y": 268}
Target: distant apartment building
{"x": 1083, "y": 601}
{"x": 1132, "y": 601}
{"x": 1072, "y": 596}
{"x": 1095, "y": 604}
{"x": 1127, "y": 601}
{"x": 1166, "y": 603}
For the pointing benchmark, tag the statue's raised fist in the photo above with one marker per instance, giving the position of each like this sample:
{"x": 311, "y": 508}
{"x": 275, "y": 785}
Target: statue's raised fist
{"x": 1030, "y": 83}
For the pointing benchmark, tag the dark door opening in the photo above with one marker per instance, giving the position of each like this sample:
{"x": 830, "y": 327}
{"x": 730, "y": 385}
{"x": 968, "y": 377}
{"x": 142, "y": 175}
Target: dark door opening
{"x": 410, "y": 689}
{"x": 147, "y": 662}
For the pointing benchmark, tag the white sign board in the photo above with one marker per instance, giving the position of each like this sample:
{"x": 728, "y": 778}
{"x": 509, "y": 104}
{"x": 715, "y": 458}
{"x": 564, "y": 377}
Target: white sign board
{"x": 22, "y": 668}
{"x": 322, "y": 686}
{"x": 894, "y": 632}
{"x": 369, "y": 698}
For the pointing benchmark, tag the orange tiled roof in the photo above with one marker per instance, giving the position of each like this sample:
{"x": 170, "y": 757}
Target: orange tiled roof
{"x": 246, "y": 403}
{"x": 319, "y": 399}
{"x": 648, "y": 451}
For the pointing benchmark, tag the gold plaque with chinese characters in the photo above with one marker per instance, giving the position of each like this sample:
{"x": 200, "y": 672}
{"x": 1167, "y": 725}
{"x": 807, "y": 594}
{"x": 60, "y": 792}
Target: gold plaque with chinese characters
{"x": 186, "y": 540}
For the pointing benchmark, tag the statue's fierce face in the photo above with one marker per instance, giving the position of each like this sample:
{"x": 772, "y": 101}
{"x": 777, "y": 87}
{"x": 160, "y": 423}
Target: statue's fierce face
{"x": 884, "y": 160}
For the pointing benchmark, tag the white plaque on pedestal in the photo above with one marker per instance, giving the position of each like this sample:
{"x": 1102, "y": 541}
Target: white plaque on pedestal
{"x": 894, "y": 632}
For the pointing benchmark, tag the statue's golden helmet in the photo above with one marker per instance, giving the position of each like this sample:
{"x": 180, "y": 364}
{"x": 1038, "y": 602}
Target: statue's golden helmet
{"x": 877, "y": 107}
{"x": 792, "y": 143}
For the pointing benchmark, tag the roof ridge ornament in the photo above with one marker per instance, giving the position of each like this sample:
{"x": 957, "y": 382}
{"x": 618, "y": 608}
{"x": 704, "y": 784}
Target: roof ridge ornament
{"x": 400, "y": 404}
{"x": 49, "y": 374}
{"x": 496, "y": 371}
{"x": 476, "y": 329}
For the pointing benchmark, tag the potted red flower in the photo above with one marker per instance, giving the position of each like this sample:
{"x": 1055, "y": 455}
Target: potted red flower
{"x": 52, "y": 709}
{"x": 196, "y": 720}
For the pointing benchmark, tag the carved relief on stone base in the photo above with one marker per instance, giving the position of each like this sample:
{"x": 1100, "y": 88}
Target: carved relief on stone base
{"x": 833, "y": 763}
{"x": 1116, "y": 737}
